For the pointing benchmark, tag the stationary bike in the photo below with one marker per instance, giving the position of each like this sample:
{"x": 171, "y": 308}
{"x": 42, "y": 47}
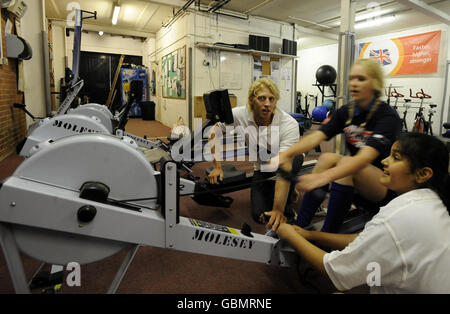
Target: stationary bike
{"x": 420, "y": 124}
{"x": 407, "y": 106}
{"x": 431, "y": 111}
{"x": 396, "y": 95}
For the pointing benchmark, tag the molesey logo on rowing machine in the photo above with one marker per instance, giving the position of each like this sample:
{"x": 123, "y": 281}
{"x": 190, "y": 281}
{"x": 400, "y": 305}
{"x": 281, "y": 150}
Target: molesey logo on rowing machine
{"x": 223, "y": 240}
{"x": 72, "y": 127}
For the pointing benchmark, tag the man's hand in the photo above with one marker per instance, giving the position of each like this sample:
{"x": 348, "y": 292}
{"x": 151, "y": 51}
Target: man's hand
{"x": 215, "y": 175}
{"x": 276, "y": 218}
{"x": 309, "y": 182}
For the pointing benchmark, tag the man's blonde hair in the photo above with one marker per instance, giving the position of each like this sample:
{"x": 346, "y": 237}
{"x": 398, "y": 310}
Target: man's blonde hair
{"x": 257, "y": 86}
{"x": 375, "y": 71}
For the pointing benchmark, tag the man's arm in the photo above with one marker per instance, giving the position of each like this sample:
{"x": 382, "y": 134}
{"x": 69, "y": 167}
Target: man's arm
{"x": 279, "y": 203}
{"x": 217, "y": 172}
{"x": 305, "y": 144}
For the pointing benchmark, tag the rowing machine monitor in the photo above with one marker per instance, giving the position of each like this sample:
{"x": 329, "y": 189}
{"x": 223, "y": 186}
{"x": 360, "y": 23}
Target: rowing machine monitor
{"x": 218, "y": 106}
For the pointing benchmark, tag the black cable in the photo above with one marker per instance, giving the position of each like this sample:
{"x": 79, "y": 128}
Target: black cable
{"x": 196, "y": 193}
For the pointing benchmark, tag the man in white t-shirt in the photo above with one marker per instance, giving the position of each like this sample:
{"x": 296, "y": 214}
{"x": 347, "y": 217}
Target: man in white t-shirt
{"x": 268, "y": 131}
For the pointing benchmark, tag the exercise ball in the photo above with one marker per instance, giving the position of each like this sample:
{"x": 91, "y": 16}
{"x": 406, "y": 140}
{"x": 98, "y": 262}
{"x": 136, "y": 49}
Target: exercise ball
{"x": 319, "y": 113}
{"x": 326, "y": 75}
{"x": 328, "y": 103}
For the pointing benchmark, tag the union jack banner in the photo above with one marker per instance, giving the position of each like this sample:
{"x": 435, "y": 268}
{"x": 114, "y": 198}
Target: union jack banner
{"x": 381, "y": 55}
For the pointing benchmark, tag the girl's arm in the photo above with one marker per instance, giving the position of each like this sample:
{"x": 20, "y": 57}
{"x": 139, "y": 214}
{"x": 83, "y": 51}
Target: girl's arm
{"x": 345, "y": 167}
{"x": 300, "y": 239}
{"x": 305, "y": 144}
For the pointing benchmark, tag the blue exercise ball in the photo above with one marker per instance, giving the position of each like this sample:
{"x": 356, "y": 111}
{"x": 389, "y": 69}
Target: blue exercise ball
{"x": 328, "y": 103}
{"x": 319, "y": 113}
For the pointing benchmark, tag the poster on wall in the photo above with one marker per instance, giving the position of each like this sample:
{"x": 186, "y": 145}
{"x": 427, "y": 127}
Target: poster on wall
{"x": 264, "y": 66}
{"x": 230, "y": 70}
{"x": 415, "y": 54}
{"x": 174, "y": 74}
{"x": 127, "y": 75}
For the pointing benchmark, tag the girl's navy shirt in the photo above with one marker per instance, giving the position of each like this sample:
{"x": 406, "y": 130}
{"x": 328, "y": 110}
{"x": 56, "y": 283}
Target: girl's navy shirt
{"x": 380, "y": 132}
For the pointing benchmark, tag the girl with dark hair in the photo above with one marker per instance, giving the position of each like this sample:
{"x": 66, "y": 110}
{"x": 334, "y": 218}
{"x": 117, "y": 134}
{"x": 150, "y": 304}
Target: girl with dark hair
{"x": 405, "y": 248}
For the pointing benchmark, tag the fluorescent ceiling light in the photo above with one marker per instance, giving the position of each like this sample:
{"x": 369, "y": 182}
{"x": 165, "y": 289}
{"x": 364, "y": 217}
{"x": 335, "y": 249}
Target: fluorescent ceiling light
{"x": 370, "y": 14}
{"x": 115, "y": 14}
{"x": 375, "y": 21}
{"x": 364, "y": 16}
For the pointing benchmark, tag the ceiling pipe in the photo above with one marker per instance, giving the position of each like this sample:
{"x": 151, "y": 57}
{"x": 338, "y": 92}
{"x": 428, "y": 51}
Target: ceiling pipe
{"x": 178, "y": 13}
{"x": 217, "y": 9}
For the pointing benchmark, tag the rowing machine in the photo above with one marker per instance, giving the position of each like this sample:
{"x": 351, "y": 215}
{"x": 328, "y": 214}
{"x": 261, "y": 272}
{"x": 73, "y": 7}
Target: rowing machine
{"x": 64, "y": 204}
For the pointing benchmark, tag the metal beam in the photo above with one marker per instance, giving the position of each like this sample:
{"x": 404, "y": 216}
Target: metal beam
{"x": 314, "y": 32}
{"x": 427, "y": 10}
{"x": 175, "y": 3}
{"x": 345, "y": 59}
{"x": 108, "y": 29}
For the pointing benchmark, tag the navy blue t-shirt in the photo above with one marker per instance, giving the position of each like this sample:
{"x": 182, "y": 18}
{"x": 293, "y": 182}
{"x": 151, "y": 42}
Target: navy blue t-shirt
{"x": 380, "y": 132}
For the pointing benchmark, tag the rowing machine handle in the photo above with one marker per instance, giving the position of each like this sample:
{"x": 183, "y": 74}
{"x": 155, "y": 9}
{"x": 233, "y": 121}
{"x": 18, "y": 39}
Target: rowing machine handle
{"x": 19, "y": 106}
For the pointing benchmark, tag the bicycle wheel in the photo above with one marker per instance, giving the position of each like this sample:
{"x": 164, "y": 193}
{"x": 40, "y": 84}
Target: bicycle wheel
{"x": 419, "y": 125}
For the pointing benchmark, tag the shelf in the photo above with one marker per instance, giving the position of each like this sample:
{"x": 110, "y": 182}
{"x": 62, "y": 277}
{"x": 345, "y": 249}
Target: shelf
{"x": 248, "y": 51}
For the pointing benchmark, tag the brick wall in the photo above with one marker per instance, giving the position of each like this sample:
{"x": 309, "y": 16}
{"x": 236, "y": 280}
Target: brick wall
{"x": 12, "y": 121}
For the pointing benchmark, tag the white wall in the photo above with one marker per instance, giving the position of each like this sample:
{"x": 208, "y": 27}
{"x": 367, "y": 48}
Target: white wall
{"x": 433, "y": 84}
{"x": 167, "y": 40}
{"x": 33, "y": 69}
{"x": 59, "y": 55}
{"x": 90, "y": 41}
{"x": 198, "y": 27}
{"x": 114, "y": 44}
{"x": 236, "y": 31}
{"x": 309, "y": 61}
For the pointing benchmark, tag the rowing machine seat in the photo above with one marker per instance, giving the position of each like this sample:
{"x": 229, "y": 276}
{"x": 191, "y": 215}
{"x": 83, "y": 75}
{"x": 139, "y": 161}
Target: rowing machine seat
{"x": 230, "y": 173}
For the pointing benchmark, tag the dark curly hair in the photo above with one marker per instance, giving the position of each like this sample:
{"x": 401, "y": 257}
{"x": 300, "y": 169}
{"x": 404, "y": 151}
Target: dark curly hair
{"x": 424, "y": 150}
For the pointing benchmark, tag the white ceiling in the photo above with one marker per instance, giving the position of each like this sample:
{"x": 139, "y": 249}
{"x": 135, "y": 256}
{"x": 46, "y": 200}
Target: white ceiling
{"x": 145, "y": 17}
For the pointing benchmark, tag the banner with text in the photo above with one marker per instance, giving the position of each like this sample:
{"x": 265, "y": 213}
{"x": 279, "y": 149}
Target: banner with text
{"x": 415, "y": 54}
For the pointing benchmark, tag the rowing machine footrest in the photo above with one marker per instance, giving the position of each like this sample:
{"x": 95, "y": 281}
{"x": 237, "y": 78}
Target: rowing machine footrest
{"x": 202, "y": 197}
{"x": 230, "y": 173}
{"x": 357, "y": 219}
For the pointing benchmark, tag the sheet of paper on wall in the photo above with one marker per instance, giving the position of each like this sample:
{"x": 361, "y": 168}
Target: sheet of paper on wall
{"x": 257, "y": 70}
{"x": 275, "y": 72}
{"x": 181, "y": 57}
{"x": 286, "y": 76}
{"x": 230, "y": 70}
{"x": 175, "y": 61}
